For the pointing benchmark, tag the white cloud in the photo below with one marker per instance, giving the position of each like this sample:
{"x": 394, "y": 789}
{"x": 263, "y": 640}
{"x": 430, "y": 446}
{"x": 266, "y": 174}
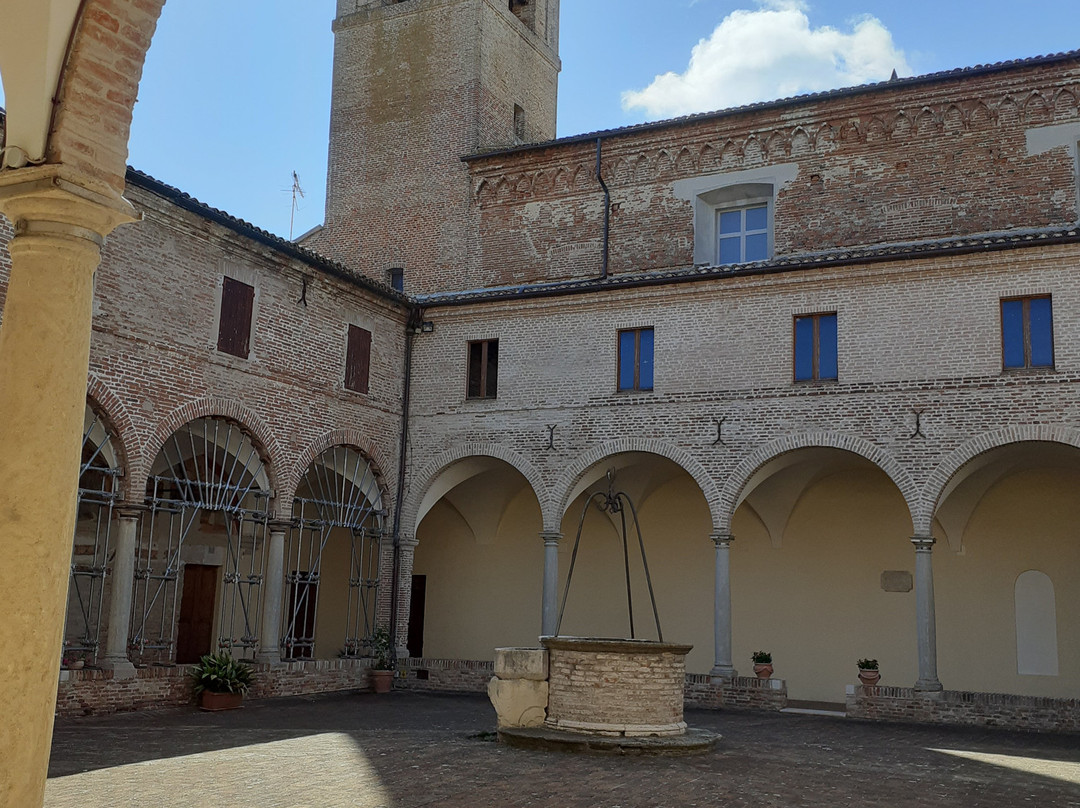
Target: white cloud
{"x": 767, "y": 54}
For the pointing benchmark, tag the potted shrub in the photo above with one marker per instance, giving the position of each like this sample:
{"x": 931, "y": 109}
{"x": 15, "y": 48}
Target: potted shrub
{"x": 221, "y": 681}
{"x": 868, "y": 671}
{"x": 382, "y": 673}
{"x": 762, "y": 664}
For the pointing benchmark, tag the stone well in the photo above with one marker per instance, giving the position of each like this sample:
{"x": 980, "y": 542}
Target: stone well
{"x": 630, "y": 688}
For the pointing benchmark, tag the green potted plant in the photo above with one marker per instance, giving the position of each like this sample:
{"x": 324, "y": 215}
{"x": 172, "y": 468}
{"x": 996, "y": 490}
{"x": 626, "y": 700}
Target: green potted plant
{"x": 221, "y": 681}
{"x": 382, "y": 673}
{"x": 868, "y": 671}
{"x": 762, "y": 664}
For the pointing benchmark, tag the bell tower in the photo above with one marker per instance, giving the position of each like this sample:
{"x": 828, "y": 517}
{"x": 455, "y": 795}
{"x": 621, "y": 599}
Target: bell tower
{"x": 418, "y": 84}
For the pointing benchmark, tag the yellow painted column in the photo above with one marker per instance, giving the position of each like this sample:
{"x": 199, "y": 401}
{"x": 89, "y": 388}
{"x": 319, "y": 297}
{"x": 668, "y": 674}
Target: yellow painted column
{"x": 60, "y": 222}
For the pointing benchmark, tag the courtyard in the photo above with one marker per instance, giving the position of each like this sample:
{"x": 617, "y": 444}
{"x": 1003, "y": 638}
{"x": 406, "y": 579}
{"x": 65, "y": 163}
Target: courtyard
{"x": 421, "y": 749}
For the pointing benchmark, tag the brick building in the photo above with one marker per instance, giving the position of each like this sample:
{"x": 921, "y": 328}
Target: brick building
{"x": 827, "y": 345}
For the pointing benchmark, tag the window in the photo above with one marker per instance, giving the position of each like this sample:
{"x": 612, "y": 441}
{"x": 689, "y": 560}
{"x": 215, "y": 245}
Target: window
{"x": 734, "y": 212}
{"x": 1027, "y": 332}
{"x": 483, "y": 369}
{"x": 636, "y": 359}
{"x": 358, "y": 359}
{"x": 742, "y": 235}
{"x": 397, "y": 279}
{"x": 815, "y": 347}
{"x": 234, "y": 323}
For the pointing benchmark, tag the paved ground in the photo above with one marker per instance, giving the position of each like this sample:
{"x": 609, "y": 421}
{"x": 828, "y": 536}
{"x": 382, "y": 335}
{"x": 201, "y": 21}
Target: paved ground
{"x": 410, "y": 749}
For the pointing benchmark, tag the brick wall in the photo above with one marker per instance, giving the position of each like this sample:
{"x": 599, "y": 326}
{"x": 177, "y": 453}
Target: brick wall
{"x": 97, "y": 692}
{"x": 418, "y": 85}
{"x": 913, "y": 336}
{"x": 895, "y": 163}
{"x": 970, "y": 709}
{"x": 453, "y": 675}
{"x": 737, "y": 693}
{"x": 615, "y": 685}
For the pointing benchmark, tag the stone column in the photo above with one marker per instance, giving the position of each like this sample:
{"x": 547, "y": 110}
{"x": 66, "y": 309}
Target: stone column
{"x": 926, "y": 621}
{"x": 122, "y": 583}
{"x": 407, "y": 550}
{"x": 722, "y": 607}
{"x": 550, "y": 612}
{"x": 60, "y": 222}
{"x": 273, "y": 595}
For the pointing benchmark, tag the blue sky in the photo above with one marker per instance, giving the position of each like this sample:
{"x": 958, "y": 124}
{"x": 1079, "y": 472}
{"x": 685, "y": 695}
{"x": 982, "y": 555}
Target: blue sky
{"x": 227, "y": 112}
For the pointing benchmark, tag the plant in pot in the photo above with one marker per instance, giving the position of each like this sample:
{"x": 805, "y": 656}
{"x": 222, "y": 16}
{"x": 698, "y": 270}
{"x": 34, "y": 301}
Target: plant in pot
{"x": 868, "y": 671}
{"x": 221, "y": 681}
{"x": 762, "y": 664}
{"x": 382, "y": 673}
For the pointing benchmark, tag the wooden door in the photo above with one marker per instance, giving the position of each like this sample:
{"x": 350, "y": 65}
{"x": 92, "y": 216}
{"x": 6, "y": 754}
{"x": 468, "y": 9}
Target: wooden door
{"x": 416, "y": 616}
{"x": 195, "y": 628}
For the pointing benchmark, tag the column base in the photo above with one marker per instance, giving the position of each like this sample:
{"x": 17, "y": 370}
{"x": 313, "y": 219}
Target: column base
{"x": 723, "y": 672}
{"x": 121, "y": 667}
{"x": 928, "y": 686}
{"x": 272, "y": 657}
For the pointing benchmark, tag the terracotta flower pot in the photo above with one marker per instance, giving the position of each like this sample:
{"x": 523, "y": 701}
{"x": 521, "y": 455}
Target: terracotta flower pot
{"x": 763, "y": 670}
{"x": 220, "y": 701}
{"x": 869, "y": 677}
{"x": 381, "y": 681}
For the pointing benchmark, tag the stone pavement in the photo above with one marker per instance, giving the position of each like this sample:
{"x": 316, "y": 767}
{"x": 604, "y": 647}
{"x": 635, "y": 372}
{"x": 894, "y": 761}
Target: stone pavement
{"x": 415, "y": 749}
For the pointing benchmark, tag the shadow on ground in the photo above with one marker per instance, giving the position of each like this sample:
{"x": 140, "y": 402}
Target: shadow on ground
{"x": 411, "y": 749}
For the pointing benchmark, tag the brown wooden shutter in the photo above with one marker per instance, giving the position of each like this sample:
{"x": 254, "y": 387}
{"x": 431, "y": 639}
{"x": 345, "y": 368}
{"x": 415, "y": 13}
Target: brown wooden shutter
{"x": 234, "y": 325}
{"x": 358, "y": 359}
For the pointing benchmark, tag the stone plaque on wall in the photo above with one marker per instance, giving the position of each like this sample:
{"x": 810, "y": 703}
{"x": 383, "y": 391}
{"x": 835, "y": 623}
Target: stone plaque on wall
{"x": 896, "y": 581}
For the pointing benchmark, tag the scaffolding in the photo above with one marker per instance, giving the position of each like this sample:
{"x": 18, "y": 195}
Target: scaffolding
{"x": 97, "y": 496}
{"x": 207, "y": 467}
{"x": 342, "y": 492}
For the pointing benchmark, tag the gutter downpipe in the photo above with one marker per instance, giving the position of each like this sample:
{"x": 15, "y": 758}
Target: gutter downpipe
{"x": 412, "y": 325}
{"x": 607, "y": 209}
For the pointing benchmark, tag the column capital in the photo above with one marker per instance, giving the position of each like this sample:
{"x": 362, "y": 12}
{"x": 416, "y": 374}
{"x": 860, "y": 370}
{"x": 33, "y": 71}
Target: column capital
{"x": 722, "y": 539}
{"x": 551, "y": 537}
{"x": 407, "y": 541}
{"x": 279, "y": 525}
{"x": 56, "y": 200}
{"x": 128, "y": 511}
{"x": 923, "y": 544}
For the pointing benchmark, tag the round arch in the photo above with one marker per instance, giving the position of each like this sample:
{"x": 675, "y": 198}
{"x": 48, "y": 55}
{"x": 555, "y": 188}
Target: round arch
{"x": 942, "y": 477}
{"x": 411, "y": 510}
{"x": 125, "y": 441}
{"x": 369, "y": 450}
{"x": 267, "y": 444}
{"x": 572, "y": 476}
{"x": 741, "y": 475}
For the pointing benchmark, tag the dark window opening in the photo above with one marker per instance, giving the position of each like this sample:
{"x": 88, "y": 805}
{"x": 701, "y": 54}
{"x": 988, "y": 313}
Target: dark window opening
{"x": 636, "y": 359}
{"x": 483, "y": 368}
{"x": 815, "y": 347}
{"x": 397, "y": 279}
{"x": 234, "y": 324}
{"x": 1027, "y": 332}
{"x": 358, "y": 359}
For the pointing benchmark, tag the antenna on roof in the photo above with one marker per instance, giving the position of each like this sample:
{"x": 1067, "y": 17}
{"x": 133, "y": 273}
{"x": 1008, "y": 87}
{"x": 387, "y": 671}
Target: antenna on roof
{"x": 297, "y": 192}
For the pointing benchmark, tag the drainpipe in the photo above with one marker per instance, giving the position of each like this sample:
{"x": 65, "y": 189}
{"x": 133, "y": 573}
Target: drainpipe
{"x": 607, "y": 209}
{"x": 416, "y": 317}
